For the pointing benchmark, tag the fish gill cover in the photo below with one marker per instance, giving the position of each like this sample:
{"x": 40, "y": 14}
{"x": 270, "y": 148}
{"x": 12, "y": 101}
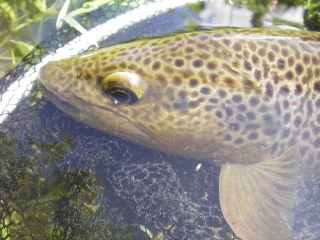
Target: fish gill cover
{"x": 60, "y": 179}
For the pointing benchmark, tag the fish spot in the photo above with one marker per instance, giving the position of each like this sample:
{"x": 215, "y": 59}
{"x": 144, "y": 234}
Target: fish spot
{"x": 316, "y": 86}
{"x": 247, "y": 66}
{"x": 234, "y": 127}
{"x": 289, "y": 75}
{"x": 226, "y": 42}
{"x": 299, "y": 69}
{"x": 257, "y": 75}
{"x": 284, "y": 90}
{"x": 253, "y": 136}
{"x": 271, "y": 56}
{"x": 156, "y": 65}
{"x": 197, "y": 63}
{"x": 306, "y": 59}
{"x": 281, "y": 64}
{"x": 213, "y": 77}
{"x": 205, "y": 90}
{"x": 251, "y": 116}
{"x": 237, "y": 98}
{"x": 182, "y": 94}
{"x": 229, "y": 112}
{"x": 240, "y": 118}
{"x": 254, "y": 101}
{"x": 189, "y": 49}
{"x": 227, "y": 137}
{"x": 193, "y": 104}
{"x": 284, "y": 52}
{"x": 177, "y": 81}
{"x": 287, "y": 118}
{"x": 317, "y": 103}
{"x": 267, "y": 118}
{"x": 215, "y": 100}
{"x": 146, "y": 61}
{"x": 269, "y": 131}
{"x": 316, "y": 142}
{"x": 298, "y": 89}
{"x": 285, "y": 133}
{"x": 242, "y": 108}
{"x": 230, "y": 82}
{"x": 269, "y": 90}
{"x": 262, "y": 52}
{"x": 193, "y": 83}
{"x": 211, "y": 65}
{"x": 285, "y": 104}
{"x": 255, "y": 60}
{"x": 219, "y": 114}
{"x": 208, "y": 108}
{"x": 179, "y": 62}
{"x": 252, "y": 46}
{"x": 222, "y": 93}
{"x": 305, "y": 135}
{"x": 297, "y": 122}
{"x": 239, "y": 141}
{"x": 161, "y": 79}
{"x": 237, "y": 47}
{"x": 290, "y": 61}
{"x": 275, "y": 48}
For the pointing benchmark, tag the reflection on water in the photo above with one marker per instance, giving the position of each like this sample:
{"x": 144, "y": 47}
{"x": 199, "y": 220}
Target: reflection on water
{"x": 61, "y": 179}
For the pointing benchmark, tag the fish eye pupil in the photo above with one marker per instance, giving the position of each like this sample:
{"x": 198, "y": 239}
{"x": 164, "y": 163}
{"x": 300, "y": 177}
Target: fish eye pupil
{"x": 121, "y": 95}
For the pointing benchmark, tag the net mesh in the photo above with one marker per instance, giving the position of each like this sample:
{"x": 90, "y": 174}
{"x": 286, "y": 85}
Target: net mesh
{"x": 60, "y": 179}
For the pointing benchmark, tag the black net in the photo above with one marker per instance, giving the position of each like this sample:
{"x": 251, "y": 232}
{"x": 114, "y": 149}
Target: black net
{"x": 60, "y": 179}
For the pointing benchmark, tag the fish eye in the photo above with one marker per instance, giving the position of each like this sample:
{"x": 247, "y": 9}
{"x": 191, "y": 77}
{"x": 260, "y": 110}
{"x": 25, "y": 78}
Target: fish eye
{"x": 121, "y": 95}
{"x": 123, "y": 87}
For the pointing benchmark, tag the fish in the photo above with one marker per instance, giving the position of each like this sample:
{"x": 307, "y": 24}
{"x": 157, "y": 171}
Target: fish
{"x": 247, "y": 100}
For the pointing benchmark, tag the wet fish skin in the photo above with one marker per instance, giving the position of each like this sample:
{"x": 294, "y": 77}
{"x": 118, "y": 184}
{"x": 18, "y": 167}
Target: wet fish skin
{"x": 245, "y": 99}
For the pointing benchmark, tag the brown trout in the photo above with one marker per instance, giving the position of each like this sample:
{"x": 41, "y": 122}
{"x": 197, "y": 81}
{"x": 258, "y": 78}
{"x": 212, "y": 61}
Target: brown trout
{"x": 245, "y": 99}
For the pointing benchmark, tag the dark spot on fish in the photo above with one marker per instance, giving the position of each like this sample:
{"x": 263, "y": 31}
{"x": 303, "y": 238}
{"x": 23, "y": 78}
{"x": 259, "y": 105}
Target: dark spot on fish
{"x": 156, "y": 65}
{"x": 237, "y": 98}
{"x": 316, "y": 86}
{"x": 284, "y": 52}
{"x": 317, "y": 103}
{"x": 240, "y": 118}
{"x": 229, "y": 112}
{"x": 289, "y": 75}
{"x": 267, "y": 118}
{"x": 262, "y": 52}
{"x": 285, "y": 133}
{"x": 147, "y": 61}
{"x": 161, "y": 79}
{"x": 219, "y": 114}
{"x": 213, "y": 77}
{"x": 238, "y": 140}
{"x": 193, "y": 104}
{"x": 257, "y": 75}
{"x": 242, "y": 108}
{"x": 222, "y": 93}
{"x": 226, "y": 42}
{"x": 281, "y": 64}
{"x": 189, "y": 49}
{"x": 197, "y": 63}
{"x": 290, "y": 61}
{"x": 255, "y": 60}
{"x": 205, "y": 90}
{"x": 230, "y": 82}
{"x": 269, "y": 131}
{"x": 275, "y": 48}
{"x": 284, "y": 90}
{"x": 237, "y": 47}
{"x": 211, "y": 65}
{"x": 309, "y": 108}
{"x": 208, "y": 108}
{"x": 277, "y": 108}
{"x": 269, "y": 90}
{"x": 297, "y": 121}
{"x": 254, "y": 101}
{"x": 247, "y": 66}
{"x": 234, "y": 127}
{"x": 299, "y": 69}
{"x": 227, "y": 137}
{"x": 253, "y": 136}
{"x": 179, "y": 62}
{"x": 271, "y": 56}
{"x": 306, "y": 59}
{"x": 213, "y": 100}
{"x": 285, "y": 104}
{"x": 251, "y": 116}
{"x": 177, "y": 81}
{"x": 193, "y": 83}
{"x": 316, "y": 143}
{"x": 287, "y": 118}
{"x": 252, "y": 46}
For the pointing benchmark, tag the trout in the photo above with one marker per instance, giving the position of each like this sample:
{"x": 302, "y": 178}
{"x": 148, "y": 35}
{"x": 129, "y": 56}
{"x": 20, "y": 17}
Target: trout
{"x": 245, "y": 99}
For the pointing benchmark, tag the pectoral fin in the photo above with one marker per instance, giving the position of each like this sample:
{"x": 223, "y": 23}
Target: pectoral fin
{"x": 257, "y": 199}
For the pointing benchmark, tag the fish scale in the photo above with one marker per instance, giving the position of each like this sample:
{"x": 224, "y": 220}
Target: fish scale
{"x": 245, "y": 99}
